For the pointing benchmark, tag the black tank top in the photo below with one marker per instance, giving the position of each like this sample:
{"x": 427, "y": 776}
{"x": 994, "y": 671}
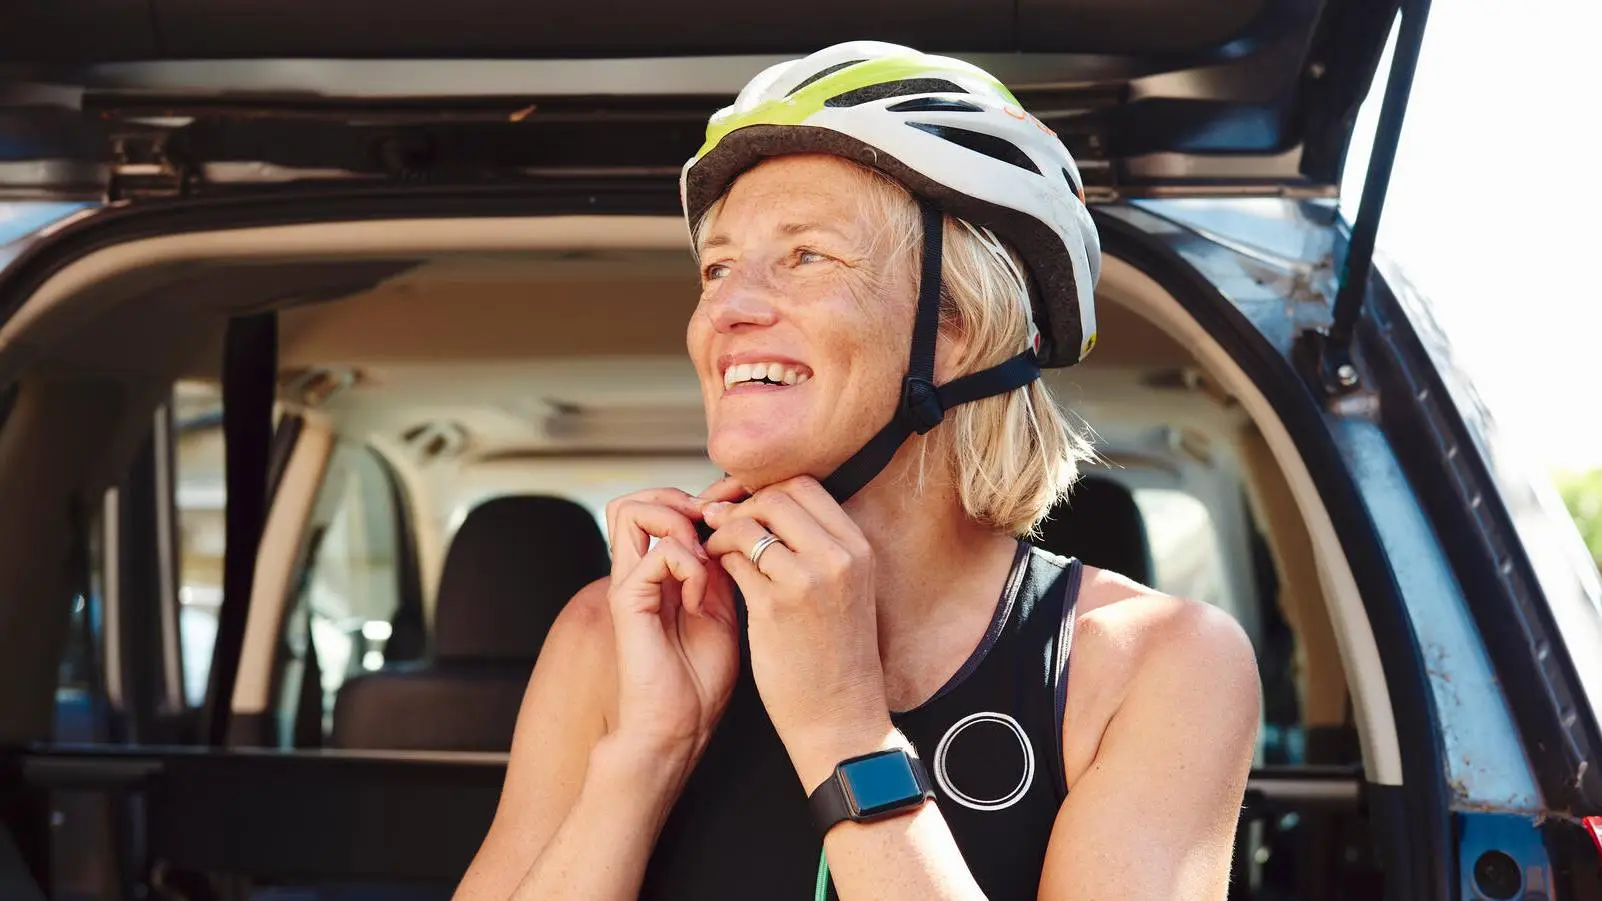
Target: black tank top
{"x": 991, "y": 738}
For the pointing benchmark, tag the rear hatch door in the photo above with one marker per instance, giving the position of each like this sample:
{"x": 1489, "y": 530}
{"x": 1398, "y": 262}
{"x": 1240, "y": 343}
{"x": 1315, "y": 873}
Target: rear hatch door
{"x": 130, "y": 99}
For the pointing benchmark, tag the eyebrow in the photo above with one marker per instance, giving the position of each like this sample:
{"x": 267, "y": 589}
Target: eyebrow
{"x": 791, "y": 229}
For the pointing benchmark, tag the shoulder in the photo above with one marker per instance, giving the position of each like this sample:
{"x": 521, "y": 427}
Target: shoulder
{"x": 579, "y": 653}
{"x": 586, "y": 618}
{"x": 1139, "y": 652}
{"x": 1150, "y": 628}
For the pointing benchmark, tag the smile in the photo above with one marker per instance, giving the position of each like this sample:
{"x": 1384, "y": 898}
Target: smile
{"x": 764, "y": 373}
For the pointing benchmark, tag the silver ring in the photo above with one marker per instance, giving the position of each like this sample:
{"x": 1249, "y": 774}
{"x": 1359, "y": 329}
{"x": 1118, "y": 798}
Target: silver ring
{"x": 761, "y": 547}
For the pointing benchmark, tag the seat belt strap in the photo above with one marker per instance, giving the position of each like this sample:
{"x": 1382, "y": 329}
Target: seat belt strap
{"x": 250, "y": 374}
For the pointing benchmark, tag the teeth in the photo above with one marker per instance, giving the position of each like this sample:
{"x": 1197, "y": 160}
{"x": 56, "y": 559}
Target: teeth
{"x": 777, "y": 373}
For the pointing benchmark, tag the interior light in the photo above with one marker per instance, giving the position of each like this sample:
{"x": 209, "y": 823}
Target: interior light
{"x": 372, "y": 660}
{"x": 377, "y": 630}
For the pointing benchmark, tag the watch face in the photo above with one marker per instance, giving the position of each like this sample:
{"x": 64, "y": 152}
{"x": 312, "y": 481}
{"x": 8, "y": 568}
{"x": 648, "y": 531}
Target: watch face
{"x": 879, "y": 783}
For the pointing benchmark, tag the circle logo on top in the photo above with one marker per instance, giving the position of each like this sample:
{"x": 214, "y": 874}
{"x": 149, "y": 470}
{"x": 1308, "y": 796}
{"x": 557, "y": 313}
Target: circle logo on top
{"x": 985, "y": 761}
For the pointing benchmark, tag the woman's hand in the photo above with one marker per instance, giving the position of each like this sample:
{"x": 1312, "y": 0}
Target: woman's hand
{"x": 811, "y": 619}
{"x": 674, "y": 623}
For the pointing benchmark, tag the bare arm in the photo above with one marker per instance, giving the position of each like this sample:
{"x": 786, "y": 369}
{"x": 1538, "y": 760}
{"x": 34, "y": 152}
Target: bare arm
{"x": 628, "y": 687}
{"x": 913, "y": 856}
{"x": 1153, "y": 817}
{"x": 561, "y": 721}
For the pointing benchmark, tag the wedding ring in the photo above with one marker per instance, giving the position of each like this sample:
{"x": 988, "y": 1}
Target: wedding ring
{"x": 760, "y": 548}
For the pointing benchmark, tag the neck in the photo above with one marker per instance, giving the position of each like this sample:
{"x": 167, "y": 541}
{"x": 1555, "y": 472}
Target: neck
{"x": 928, "y": 553}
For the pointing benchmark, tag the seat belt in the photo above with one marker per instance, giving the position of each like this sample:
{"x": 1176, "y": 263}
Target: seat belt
{"x": 249, "y": 379}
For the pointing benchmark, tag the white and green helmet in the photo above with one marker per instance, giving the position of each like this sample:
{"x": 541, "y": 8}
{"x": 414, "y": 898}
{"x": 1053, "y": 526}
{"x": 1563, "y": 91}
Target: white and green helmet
{"x": 949, "y": 132}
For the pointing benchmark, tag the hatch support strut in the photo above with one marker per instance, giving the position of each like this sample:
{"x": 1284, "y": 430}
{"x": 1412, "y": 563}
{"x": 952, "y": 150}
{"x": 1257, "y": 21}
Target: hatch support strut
{"x": 1330, "y": 351}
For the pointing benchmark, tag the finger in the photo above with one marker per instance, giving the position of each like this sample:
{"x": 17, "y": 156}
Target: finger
{"x": 752, "y": 582}
{"x": 724, "y": 489}
{"x": 670, "y": 562}
{"x": 781, "y": 515}
{"x": 736, "y": 536}
{"x": 740, "y": 536}
{"x": 637, "y": 523}
{"x": 812, "y": 497}
{"x": 672, "y": 498}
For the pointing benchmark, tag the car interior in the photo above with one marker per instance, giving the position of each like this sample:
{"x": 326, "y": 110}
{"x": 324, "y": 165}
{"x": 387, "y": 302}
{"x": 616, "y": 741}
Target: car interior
{"x": 455, "y": 403}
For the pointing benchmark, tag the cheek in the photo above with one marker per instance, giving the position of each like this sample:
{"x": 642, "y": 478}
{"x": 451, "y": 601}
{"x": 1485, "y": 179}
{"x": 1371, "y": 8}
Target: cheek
{"x": 866, "y": 341}
{"x": 697, "y": 341}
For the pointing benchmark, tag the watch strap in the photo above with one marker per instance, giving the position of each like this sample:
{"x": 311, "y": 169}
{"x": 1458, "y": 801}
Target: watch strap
{"x": 828, "y": 804}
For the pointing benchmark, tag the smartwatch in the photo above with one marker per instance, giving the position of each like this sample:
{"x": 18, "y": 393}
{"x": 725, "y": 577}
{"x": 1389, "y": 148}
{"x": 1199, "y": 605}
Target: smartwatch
{"x": 871, "y": 787}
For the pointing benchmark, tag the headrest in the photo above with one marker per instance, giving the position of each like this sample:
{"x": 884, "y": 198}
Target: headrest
{"x": 1099, "y": 523}
{"x": 512, "y": 566}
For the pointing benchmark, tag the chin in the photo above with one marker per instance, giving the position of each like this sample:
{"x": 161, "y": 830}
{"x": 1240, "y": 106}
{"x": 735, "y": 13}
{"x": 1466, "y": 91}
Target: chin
{"x": 755, "y": 464}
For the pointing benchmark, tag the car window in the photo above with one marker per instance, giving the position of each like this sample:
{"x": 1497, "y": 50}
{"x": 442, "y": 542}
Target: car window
{"x": 349, "y": 586}
{"x": 1184, "y": 545}
{"x": 199, "y": 499}
{"x": 20, "y": 219}
{"x": 1193, "y": 557}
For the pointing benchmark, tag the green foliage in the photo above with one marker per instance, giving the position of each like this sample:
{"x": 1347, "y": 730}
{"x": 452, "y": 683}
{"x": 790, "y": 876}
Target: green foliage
{"x": 1582, "y": 493}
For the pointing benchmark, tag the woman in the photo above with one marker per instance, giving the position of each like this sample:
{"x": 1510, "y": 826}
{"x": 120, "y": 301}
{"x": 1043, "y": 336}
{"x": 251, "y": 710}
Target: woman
{"x": 850, "y": 615}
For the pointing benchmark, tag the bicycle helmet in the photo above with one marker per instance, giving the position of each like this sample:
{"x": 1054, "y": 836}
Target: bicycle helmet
{"x": 959, "y": 141}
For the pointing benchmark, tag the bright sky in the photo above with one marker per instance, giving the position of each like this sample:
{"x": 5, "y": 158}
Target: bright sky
{"x": 1492, "y": 211}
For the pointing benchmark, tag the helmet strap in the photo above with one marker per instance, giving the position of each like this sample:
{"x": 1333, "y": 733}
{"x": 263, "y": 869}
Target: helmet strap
{"x": 923, "y": 405}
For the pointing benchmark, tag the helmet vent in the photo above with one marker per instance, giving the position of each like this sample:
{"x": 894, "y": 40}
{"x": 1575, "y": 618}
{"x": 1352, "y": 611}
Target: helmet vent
{"x": 1073, "y": 182}
{"x": 894, "y": 89}
{"x": 935, "y": 105}
{"x": 989, "y": 145}
{"x": 824, "y": 73}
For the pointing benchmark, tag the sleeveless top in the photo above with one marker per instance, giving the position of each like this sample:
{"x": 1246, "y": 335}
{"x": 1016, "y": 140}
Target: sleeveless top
{"x": 991, "y": 739}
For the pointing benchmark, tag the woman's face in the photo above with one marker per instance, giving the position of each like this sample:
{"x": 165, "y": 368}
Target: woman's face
{"x": 800, "y": 339}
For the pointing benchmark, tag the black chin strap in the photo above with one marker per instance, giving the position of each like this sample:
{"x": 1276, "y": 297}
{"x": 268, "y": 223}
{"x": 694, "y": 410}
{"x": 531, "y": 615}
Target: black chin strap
{"x": 923, "y": 404}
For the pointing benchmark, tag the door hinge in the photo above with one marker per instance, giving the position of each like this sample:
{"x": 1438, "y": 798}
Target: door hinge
{"x": 142, "y": 167}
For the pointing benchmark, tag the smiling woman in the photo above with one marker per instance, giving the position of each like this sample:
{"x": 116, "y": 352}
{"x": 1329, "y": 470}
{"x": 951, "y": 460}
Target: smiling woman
{"x": 1011, "y": 455}
{"x": 839, "y": 670}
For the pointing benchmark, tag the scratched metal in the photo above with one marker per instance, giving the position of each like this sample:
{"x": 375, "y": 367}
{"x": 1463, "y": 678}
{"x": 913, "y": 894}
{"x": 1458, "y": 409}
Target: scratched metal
{"x": 1485, "y": 762}
{"x": 1275, "y": 261}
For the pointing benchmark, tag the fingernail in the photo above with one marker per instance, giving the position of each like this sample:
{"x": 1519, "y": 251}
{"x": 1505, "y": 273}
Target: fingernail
{"x": 700, "y": 552}
{"x": 715, "y": 509}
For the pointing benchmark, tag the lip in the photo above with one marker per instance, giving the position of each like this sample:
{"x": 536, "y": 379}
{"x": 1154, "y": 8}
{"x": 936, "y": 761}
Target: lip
{"x": 758, "y": 388}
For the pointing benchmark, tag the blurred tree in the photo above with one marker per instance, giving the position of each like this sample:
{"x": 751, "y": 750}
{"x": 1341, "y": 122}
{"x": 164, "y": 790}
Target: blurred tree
{"x": 1582, "y": 493}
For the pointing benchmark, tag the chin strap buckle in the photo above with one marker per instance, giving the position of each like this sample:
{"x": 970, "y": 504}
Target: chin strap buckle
{"x": 920, "y": 404}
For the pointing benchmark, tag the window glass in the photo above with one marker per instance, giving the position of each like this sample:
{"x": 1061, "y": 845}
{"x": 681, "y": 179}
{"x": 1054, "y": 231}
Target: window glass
{"x": 199, "y": 490}
{"x": 1184, "y": 545}
{"x": 349, "y": 586}
{"x": 23, "y": 218}
{"x": 79, "y": 691}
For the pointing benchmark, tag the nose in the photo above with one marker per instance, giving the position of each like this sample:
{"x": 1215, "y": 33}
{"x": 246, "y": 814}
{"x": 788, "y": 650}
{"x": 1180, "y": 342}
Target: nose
{"x": 744, "y": 300}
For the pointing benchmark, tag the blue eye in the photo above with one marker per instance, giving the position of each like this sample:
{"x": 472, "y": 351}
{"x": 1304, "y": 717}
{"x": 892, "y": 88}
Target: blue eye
{"x": 810, "y": 256}
{"x": 714, "y": 272}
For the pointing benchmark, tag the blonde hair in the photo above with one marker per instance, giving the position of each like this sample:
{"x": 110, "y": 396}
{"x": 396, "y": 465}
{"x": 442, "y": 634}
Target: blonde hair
{"x": 1012, "y": 456}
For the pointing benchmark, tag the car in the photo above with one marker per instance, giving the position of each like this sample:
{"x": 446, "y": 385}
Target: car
{"x": 324, "y": 339}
